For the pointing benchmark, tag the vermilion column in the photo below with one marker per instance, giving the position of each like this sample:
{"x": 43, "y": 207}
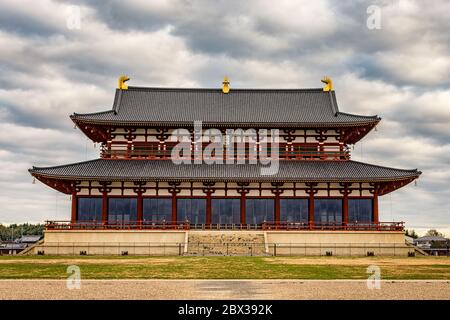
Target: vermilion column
{"x": 243, "y": 209}
{"x": 311, "y": 209}
{"x": 139, "y": 209}
{"x": 277, "y": 209}
{"x": 74, "y": 207}
{"x": 174, "y": 207}
{"x": 375, "y": 207}
{"x": 345, "y": 208}
{"x": 208, "y": 209}
{"x": 105, "y": 207}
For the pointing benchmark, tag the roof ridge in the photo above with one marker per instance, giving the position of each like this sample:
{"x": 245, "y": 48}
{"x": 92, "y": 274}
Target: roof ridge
{"x": 136, "y": 88}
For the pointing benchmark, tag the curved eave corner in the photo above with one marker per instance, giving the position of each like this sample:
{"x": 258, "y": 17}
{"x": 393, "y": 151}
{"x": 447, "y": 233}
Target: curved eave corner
{"x": 92, "y": 130}
{"x": 61, "y": 185}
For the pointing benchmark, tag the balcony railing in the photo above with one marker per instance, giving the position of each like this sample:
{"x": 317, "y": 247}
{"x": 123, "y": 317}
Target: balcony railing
{"x": 354, "y": 226}
{"x": 186, "y": 225}
{"x": 164, "y": 151}
{"x": 126, "y": 225}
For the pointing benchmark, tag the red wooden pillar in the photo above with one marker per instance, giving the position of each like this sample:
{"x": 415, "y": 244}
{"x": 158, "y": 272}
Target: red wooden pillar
{"x": 139, "y": 209}
{"x": 345, "y": 209}
{"x": 174, "y": 207}
{"x": 375, "y": 207}
{"x": 311, "y": 209}
{"x": 277, "y": 210}
{"x": 74, "y": 207}
{"x": 105, "y": 207}
{"x": 243, "y": 209}
{"x": 208, "y": 209}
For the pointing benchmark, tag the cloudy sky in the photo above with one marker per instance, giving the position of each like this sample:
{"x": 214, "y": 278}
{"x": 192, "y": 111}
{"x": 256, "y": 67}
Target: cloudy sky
{"x": 54, "y": 62}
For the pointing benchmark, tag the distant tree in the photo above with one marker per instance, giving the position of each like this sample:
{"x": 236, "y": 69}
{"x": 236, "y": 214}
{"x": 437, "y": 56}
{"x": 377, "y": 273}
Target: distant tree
{"x": 412, "y": 234}
{"x": 434, "y": 233}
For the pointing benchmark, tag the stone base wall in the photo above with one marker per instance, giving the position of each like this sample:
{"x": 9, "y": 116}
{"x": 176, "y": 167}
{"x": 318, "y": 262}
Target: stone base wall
{"x": 112, "y": 242}
{"x": 340, "y": 243}
{"x": 222, "y": 242}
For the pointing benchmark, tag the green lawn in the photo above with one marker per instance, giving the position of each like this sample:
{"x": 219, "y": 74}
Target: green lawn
{"x": 95, "y": 267}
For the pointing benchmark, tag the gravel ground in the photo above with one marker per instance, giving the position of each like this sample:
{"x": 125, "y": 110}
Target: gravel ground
{"x": 223, "y": 289}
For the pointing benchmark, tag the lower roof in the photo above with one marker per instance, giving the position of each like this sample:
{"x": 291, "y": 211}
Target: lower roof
{"x": 166, "y": 170}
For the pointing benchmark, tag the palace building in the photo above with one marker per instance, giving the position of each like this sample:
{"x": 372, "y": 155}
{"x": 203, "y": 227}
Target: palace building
{"x": 179, "y": 164}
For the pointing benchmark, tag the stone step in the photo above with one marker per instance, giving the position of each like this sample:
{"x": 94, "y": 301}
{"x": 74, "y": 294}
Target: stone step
{"x": 225, "y": 243}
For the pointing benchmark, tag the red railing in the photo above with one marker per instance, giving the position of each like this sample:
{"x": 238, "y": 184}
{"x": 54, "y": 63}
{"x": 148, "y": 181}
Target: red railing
{"x": 164, "y": 151}
{"x": 127, "y": 225}
{"x": 186, "y": 225}
{"x": 354, "y": 226}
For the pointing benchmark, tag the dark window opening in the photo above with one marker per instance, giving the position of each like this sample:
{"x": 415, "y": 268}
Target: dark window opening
{"x": 157, "y": 209}
{"x": 122, "y": 210}
{"x": 327, "y": 211}
{"x": 294, "y": 210}
{"x": 193, "y": 210}
{"x": 89, "y": 209}
{"x": 226, "y": 211}
{"x": 259, "y": 210}
{"x": 360, "y": 210}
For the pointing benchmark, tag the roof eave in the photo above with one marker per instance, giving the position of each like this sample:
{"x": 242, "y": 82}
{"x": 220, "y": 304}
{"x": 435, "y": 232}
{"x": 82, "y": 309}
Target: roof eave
{"x": 373, "y": 121}
{"x": 35, "y": 172}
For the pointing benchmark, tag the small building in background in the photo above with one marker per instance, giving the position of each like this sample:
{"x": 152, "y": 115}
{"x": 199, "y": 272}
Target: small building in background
{"x": 433, "y": 245}
{"x": 12, "y": 248}
{"x": 18, "y": 245}
{"x": 29, "y": 239}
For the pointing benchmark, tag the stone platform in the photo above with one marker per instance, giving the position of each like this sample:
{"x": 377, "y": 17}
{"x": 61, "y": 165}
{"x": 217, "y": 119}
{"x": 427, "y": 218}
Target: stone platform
{"x": 221, "y": 242}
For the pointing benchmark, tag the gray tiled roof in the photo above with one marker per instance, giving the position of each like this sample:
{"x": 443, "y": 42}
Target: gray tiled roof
{"x": 13, "y": 246}
{"x": 166, "y": 170}
{"x": 165, "y": 106}
{"x": 431, "y": 238}
{"x": 30, "y": 238}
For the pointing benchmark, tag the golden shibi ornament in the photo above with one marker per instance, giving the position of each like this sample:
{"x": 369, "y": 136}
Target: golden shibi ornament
{"x": 225, "y": 85}
{"x": 328, "y": 82}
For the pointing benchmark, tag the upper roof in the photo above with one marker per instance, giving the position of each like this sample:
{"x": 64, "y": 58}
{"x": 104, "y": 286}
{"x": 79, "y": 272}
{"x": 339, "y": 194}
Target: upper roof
{"x": 240, "y": 107}
{"x": 166, "y": 170}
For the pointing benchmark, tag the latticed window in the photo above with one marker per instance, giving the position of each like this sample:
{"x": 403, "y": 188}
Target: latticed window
{"x": 226, "y": 211}
{"x": 89, "y": 209}
{"x": 157, "y": 209}
{"x": 260, "y": 210}
{"x": 328, "y": 211}
{"x": 294, "y": 210}
{"x": 192, "y": 209}
{"x": 122, "y": 210}
{"x": 360, "y": 210}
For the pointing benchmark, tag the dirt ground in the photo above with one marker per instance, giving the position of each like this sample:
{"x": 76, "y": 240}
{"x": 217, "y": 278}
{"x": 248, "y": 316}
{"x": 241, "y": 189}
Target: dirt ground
{"x": 223, "y": 289}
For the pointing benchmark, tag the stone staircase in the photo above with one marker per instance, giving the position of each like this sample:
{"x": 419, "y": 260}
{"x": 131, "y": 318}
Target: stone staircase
{"x": 251, "y": 243}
